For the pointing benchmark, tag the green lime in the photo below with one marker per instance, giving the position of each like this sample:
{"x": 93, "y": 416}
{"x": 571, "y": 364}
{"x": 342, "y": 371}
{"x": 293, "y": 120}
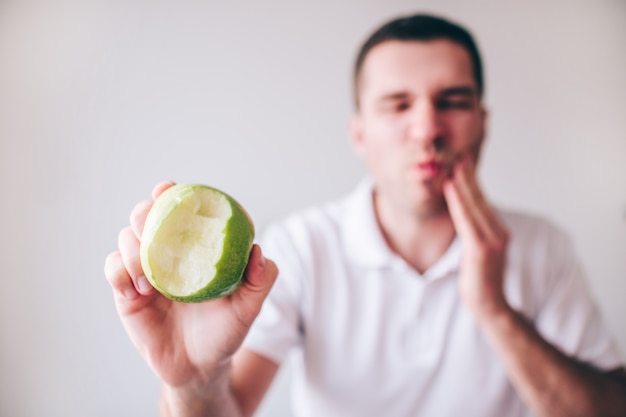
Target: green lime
{"x": 196, "y": 243}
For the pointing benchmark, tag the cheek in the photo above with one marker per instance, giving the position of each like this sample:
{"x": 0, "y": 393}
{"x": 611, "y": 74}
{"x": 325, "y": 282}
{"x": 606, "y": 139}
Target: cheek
{"x": 383, "y": 160}
{"x": 386, "y": 131}
{"x": 465, "y": 134}
{"x": 382, "y": 147}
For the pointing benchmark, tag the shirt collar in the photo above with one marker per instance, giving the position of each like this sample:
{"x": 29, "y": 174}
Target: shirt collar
{"x": 366, "y": 245}
{"x": 365, "y": 242}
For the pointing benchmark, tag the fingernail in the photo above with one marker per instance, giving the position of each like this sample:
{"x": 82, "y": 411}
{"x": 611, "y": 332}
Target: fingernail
{"x": 130, "y": 294}
{"x": 144, "y": 285}
{"x": 261, "y": 259}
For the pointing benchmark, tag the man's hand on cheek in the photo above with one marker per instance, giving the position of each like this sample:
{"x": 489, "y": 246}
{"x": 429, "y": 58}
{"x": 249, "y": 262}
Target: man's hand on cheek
{"x": 484, "y": 241}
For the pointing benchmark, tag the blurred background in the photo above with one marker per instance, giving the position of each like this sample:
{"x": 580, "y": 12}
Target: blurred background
{"x": 99, "y": 100}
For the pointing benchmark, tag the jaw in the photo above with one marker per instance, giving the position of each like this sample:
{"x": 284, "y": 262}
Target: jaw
{"x": 431, "y": 208}
{"x": 412, "y": 201}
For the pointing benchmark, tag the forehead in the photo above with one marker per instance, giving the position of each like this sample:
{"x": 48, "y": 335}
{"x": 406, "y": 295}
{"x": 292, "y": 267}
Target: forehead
{"x": 420, "y": 67}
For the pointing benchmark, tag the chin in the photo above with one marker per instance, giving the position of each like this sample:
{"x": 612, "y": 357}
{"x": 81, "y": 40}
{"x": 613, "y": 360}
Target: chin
{"x": 428, "y": 204}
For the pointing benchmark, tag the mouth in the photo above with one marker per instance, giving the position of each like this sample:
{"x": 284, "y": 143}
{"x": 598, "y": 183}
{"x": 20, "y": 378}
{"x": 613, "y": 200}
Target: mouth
{"x": 434, "y": 163}
{"x": 430, "y": 169}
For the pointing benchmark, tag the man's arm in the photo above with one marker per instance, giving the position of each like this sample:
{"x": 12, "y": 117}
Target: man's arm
{"x": 195, "y": 399}
{"x": 251, "y": 376}
{"x": 194, "y": 349}
{"x": 236, "y": 390}
{"x": 550, "y": 383}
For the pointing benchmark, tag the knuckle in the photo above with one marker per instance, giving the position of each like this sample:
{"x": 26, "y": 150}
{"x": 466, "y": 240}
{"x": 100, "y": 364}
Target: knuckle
{"x": 125, "y": 239}
{"x": 111, "y": 258}
{"x": 139, "y": 211}
{"x": 503, "y": 240}
{"x": 488, "y": 250}
{"x": 129, "y": 252}
{"x": 273, "y": 269}
{"x": 481, "y": 252}
{"x": 158, "y": 189}
{"x": 498, "y": 246}
{"x": 114, "y": 269}
{"x": 109, "y": 263}
{"x": 123, "y": 234}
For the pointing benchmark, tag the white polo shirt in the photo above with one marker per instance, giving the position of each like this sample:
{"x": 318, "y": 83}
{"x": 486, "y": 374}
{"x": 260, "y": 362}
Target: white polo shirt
{"x": 373, "y": 337}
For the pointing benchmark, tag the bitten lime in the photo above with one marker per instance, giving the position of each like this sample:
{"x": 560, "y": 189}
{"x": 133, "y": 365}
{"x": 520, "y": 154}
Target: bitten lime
{"x": 196, "y": 243}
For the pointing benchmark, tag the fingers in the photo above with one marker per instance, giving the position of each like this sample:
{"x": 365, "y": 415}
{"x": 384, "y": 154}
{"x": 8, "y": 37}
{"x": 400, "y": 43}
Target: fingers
{"x": 459, "y": 212}
{"x": 129, "y": 251}
{"x": 140, "y": 211}
{"x": 473, "y": 216}
{"x": 127, "y": 299}
{"x": 260, "y": 273}
{"x": 160, "y": 187}
{"x": 260, "y": 276}
{"x": 118, "y": 277}
{"x": 138, "y": 217}
{"x": 473, "y": 201}
{"x": 122, "y": 268}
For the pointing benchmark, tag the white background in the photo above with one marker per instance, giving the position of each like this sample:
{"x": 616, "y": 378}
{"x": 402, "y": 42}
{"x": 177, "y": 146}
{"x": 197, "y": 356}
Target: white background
{"x": 101, "y": 99}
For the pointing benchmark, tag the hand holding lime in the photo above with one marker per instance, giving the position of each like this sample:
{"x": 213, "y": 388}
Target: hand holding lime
{"x": 196, "y": 243}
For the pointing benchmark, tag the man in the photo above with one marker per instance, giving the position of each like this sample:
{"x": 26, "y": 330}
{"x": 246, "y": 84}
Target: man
{"x": 412, "y": 296}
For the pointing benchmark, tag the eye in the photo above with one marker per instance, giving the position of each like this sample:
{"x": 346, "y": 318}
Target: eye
{"x": 401, "y": 106}
{"x": 454, "y": 104}
{"x": 395, "y": 107}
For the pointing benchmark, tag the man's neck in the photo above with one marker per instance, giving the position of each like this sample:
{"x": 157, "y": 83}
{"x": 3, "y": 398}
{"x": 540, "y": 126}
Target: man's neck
{"x": 420, "y": 238}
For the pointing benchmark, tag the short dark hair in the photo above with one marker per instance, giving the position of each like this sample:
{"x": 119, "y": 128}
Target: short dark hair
{"x": 420, "y": 27}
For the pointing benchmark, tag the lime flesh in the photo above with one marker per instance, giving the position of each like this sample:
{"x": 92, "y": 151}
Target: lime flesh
{"x": 196, "y": 243}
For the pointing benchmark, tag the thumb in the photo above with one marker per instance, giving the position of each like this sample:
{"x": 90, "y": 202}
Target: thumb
{"x": 260, "y": 276}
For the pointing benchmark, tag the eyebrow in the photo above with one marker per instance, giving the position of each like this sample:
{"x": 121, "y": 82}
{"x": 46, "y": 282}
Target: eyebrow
{"x": 463, "y": 90}
{"x": 397, "y": 95}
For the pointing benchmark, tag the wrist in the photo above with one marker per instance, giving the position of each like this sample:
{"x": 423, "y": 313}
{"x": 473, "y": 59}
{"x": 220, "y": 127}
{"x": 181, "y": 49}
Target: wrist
{"x": 200, "y": 396}
{"x": 495, "y": 315}
{"x": 182, "y": 401}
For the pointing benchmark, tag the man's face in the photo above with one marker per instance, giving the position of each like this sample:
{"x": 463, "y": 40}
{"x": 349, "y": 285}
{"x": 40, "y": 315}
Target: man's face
{"x": 419, "y": 111}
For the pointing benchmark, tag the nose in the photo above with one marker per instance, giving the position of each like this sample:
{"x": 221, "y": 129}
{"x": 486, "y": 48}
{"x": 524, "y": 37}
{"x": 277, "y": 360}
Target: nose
{"x": 425, "y": 125}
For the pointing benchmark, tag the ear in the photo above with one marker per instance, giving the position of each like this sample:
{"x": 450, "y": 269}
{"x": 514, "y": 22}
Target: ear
{"x": 482, "y": 132}
{"x": 356, "y": 133}
{"x": 484, "y": 122}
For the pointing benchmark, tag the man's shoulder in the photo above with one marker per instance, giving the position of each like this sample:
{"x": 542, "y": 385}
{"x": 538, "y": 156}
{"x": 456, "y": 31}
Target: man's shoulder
{"x": 538, "y": 240}
{"x": 314, "y": 216}
{"x": 531, "y": 225}
{"x": 312, "y": 223}
{"x": 334, "y": 213}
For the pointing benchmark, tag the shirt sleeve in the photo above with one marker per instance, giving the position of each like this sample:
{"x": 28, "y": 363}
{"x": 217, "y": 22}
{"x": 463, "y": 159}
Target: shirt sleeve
{"x": 278, "y": 328}
{"x": 569, "y": 317}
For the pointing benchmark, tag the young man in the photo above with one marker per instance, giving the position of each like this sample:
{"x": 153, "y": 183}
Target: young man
{"x": 412, "y": 296}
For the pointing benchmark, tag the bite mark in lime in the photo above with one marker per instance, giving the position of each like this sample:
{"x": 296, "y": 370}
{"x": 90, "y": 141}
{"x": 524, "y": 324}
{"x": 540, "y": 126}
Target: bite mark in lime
{"x": 196, "y": 243}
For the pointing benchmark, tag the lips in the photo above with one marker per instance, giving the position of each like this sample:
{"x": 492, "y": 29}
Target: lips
{"x": 430, "y": 168}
